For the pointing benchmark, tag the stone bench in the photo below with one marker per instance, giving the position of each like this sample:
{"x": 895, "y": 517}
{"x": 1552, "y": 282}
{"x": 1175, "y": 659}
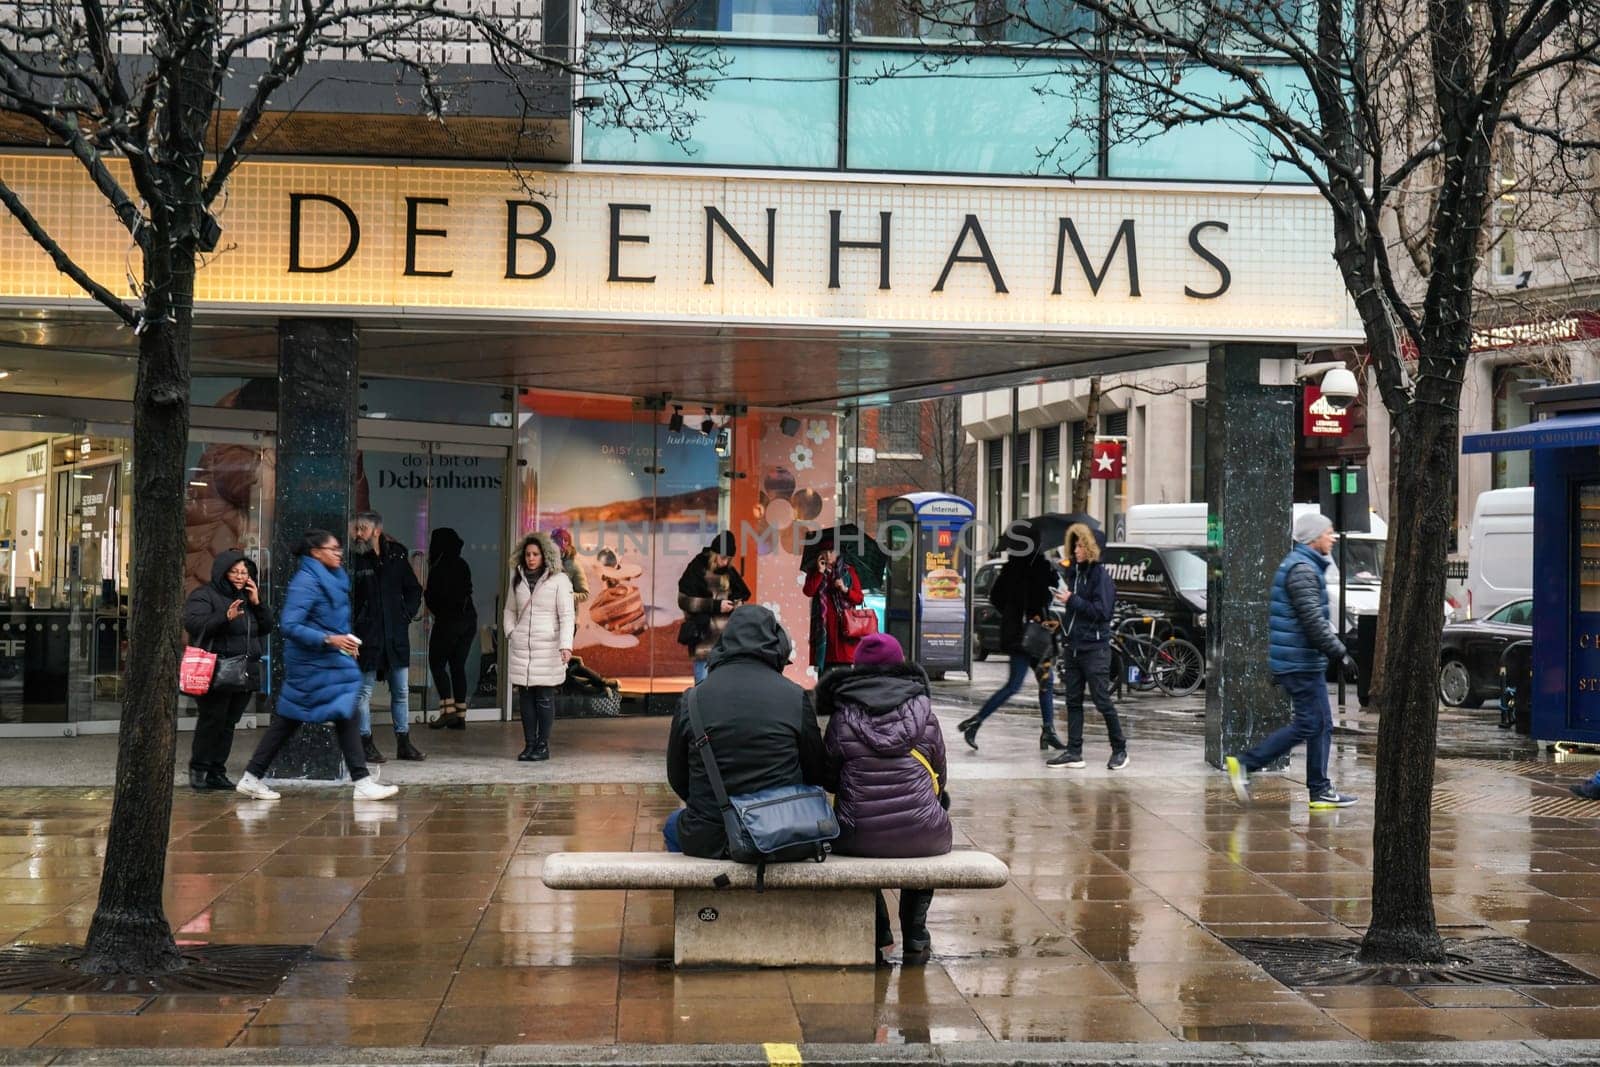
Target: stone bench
{"x": 810, "y": 914}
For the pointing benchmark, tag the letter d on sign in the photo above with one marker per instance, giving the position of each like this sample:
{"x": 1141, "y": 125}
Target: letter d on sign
{"x": 295, "y": 200}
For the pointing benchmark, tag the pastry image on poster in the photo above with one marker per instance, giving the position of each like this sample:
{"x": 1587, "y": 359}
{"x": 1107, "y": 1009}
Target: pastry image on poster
{"x": 615, "y": 616}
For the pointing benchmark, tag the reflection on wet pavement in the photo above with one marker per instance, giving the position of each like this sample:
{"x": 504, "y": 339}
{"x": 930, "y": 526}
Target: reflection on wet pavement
{"x": 431, "y": 926}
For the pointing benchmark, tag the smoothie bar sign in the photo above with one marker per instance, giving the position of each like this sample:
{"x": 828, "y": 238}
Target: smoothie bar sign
{"x": 1058, "y": 259}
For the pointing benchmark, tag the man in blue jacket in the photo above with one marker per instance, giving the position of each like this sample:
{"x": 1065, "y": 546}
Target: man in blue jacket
{"x": 1087, "y": 597}
{"x": 1300, "y": 645}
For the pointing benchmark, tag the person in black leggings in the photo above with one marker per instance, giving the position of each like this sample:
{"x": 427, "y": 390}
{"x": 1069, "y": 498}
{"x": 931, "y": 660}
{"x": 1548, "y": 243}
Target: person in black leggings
{"x": 455, "y": 625}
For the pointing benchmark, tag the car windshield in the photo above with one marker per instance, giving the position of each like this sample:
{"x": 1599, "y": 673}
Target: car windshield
{"x": 984, "y": 579}
{"x": 1188, "y": 569}
{"x": 1361, "y": 559}
{"x": 1516, "y": 613}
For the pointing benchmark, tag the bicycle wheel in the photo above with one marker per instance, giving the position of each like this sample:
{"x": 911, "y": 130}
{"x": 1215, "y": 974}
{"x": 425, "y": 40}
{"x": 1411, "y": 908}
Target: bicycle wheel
{"x": 1178, "y": 666}
{"x": 1138, "y": 663}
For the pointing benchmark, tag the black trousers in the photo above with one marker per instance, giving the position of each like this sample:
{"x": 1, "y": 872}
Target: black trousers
{"x": 280, "y": 729}
{"x": 536, "y": 705}
{"x": 913, "y": 918}
{"x": 1091, "y": 666}
{"x": 447, "y": 656}
{"x": 216, "y": 716}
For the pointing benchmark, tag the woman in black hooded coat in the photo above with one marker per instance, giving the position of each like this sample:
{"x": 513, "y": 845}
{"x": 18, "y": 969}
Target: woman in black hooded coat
{"x": 455, "y": 623}
{"x": 228, "y": 616}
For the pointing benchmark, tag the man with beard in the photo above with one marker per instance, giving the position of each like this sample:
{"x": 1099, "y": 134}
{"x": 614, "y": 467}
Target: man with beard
{"x": 385, "y": 597}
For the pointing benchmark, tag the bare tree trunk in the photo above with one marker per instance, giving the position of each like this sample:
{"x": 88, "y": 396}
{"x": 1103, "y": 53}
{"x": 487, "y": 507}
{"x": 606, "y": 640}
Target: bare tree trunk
{"x": 1091, "y": 426}
{"x": 1403, "y": 928}
{"x": 1380, "y": 641}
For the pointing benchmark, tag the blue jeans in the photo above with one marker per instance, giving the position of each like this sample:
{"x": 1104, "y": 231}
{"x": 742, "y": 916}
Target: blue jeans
{"x": 399, "y": 680}
{"x": 700, "y": 671}
{"x": 669, "y": 831}
{"x": 1312, "y": 724}
{"x": 1020, "y": 666}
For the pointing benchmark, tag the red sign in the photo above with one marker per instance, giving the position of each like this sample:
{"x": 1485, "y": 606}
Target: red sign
{"x": 1320, "y": 418}
{"x": 1107, "y": 462}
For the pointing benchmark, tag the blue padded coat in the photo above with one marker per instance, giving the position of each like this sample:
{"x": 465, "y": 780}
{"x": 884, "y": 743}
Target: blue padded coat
{"x": 319, "y": 682}
{"x": 1301, "y": 639}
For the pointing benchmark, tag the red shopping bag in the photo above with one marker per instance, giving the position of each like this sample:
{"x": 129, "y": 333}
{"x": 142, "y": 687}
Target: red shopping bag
{"x": 194, "y": 673}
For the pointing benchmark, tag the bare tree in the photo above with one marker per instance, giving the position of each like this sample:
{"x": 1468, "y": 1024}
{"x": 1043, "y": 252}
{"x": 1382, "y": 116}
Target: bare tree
{"x": 145, "y": 84}
{"x": 1083, "y": 470}
{"x": 942, "y": 446}
{"x": 1393, "y": 111}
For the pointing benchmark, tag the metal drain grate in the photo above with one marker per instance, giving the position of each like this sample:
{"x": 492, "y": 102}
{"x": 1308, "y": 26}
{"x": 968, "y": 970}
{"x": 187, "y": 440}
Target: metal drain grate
{"x": 212, "y": 969}
{"x": 1331, "y": 961}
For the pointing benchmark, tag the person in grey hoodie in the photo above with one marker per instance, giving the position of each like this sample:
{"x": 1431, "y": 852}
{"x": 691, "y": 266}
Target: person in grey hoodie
{"x": 884, "y": 761}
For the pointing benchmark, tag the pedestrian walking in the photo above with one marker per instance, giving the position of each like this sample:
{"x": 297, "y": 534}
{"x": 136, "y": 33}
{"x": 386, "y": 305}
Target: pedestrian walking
{"x": 229, "y": 617}
{"x": 834, "y": 588}
{"x": 538, "y": 624}
{"x": 387, "y": 597}
{"x": 884, "y": 761}
{"x": 1021, "y": 594}
{"x": 321, "y": 678}
{"x": 455, "y": 624}
{"x": 1087, "y": 598}
{"x": 708, "y": 591}
{"x": 1301, "y": 642}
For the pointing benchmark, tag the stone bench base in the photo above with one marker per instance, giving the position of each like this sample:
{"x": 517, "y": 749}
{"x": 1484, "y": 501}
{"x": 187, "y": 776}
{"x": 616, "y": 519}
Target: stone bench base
{"x": 811, "y": 913}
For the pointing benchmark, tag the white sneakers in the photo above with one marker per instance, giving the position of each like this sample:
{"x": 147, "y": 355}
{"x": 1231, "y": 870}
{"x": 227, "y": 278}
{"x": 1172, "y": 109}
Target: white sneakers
{"x": 370, "y": 789}
{"x": 366, "y": 789}
{"x": 255, "y": 788}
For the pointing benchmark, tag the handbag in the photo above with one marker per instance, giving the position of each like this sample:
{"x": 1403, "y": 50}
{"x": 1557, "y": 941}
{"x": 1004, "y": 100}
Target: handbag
{"x": 859, "y": 622}
{"x": 195, "y": 671}
{"x": 784, "y": 824}
{"x": 238, "y": 674}
{"x": 1037, "y": 640}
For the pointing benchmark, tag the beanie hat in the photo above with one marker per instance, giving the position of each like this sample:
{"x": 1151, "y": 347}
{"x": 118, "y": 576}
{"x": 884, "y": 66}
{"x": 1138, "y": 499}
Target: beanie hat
{"x": 724, "y": 544}
{"x": 879, "y": 650}
{"x": 1310, "y": 526}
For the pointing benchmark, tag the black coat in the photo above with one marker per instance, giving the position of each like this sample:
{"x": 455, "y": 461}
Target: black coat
{"x": 385, "y": 596}
{"x": 703, "y": 623}
{"x": 1021, "y": 591}
{"x": 449, "y": 592}
{"x": 205, "y": 613}
{"x": 762, "y": 726}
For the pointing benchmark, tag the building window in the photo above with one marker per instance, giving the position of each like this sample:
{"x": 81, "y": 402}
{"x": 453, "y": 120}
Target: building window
{"x": 1511, "y": 409}
{"x": 900, "y": 430}
{"x": 1504, "y": 255}
{"x": 994, "y": 456}
{"x": 1050, "y": 468}
{"x": 1022, "y": 474}
{"x": 1197, "y": 450}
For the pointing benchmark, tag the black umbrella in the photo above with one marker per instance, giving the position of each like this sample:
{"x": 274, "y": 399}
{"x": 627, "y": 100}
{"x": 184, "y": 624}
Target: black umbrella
{"x": 855, "y": 547}
{"x": 1042, "y": 533}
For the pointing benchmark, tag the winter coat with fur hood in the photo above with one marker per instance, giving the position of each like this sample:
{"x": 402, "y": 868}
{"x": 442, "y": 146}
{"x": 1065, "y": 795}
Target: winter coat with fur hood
{"x": 1086, "y": 618}
{"x": 538, "y": 620}
{"x": 886, "y": 799}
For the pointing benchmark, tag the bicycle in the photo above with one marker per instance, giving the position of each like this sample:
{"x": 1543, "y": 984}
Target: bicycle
{"x": 1150, "y": 661}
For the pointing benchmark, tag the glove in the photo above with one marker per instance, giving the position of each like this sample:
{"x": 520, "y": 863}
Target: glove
{"x": 1350, "y": 665}
{"x": 944, "y": 799}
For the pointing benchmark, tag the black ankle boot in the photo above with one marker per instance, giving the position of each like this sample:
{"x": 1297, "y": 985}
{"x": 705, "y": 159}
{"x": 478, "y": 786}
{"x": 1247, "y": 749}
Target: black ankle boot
{"x": 370, "y": 750}
{"x": 530, "y": 753}
{"x": 969, "y": 731}
{"x": 405, "y": 750}
{"x": 541, "y": 752}
{"x": 218, "y": 780}
{"x": 1048, "y": 739}
{"x": 197, "y": 780}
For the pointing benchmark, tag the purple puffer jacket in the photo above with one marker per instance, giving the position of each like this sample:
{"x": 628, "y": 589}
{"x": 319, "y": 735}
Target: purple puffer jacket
{"x": 884, "y": 797}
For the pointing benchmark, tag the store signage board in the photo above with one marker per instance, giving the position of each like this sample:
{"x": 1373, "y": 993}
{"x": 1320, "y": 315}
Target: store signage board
{"x": 1061, "y": 259}
{"x": 1321, "y": 419}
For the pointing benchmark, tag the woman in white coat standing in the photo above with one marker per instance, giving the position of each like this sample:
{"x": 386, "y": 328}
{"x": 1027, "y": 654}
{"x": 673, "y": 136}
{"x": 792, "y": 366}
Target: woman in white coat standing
{"x": 537, "y": 622}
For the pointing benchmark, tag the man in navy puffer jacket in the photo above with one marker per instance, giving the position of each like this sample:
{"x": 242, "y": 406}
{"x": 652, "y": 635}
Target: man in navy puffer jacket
{"x": 1300, "y": 646}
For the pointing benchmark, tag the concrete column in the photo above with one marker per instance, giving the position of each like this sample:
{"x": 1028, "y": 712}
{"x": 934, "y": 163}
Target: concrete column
{"x": 317, "y": 398}
{"x": 1250, "y": 439}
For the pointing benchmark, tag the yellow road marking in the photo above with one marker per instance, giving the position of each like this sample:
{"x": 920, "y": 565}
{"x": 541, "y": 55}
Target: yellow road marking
{"x": 782, "y": 1054}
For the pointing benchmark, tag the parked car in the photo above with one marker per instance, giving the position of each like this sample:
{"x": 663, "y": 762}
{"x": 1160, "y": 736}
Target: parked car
{"x": 985, "y": 619}
{"x": 1469, "y": 654}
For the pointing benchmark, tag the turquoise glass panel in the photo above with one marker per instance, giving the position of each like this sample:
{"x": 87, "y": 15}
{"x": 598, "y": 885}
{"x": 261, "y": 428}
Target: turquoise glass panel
{"x": 770, "y": 107}
{"x": 1215, "y": 150}
{"x": 978, "y": 115}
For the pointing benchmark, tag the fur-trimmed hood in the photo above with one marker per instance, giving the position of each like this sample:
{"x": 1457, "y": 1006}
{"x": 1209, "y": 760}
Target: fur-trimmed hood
{"x": 547, "y": 547}
{"x": 1094, "y": 540}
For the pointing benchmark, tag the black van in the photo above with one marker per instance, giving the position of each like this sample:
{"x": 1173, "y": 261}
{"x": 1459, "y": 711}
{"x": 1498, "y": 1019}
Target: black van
{"x": 1161, "y": 581}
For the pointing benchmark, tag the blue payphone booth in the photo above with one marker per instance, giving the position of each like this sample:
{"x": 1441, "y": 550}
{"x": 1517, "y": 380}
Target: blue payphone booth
{"x": 1564, "y": 438}
{"x": 929, "y": 608}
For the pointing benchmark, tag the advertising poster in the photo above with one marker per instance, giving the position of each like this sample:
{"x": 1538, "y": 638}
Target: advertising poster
{"x": 942, "y": 597}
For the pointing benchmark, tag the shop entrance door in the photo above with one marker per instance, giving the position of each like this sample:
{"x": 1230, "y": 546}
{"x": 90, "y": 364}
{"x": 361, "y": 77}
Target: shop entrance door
{"x": 420, "y": 487}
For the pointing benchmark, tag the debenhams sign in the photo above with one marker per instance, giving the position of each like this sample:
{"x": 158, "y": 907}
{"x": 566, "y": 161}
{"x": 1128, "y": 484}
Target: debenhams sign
{"x": 1047, "y": 258}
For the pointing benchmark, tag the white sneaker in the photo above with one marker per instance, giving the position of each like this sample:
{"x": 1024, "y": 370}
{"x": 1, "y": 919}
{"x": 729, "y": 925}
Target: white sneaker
{"x": 255, "y": 788}
{"x": 370, "y": 789}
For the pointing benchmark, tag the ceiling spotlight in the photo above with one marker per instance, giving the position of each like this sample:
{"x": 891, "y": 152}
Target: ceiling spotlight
{"x": 675, "y": 423}
{"x": 707, "y": 424}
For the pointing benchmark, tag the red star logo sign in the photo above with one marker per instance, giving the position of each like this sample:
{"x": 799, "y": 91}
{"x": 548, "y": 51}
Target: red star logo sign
{"x": 1108, "y": 460}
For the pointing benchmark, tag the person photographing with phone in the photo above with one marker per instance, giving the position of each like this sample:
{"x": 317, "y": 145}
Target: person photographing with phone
{"x": 227, "y": 616}
{"x": 834, "y": 588}
{"x": 708, "y": 591}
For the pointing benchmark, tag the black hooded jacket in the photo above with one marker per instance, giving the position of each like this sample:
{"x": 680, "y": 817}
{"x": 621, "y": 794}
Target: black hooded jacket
{"x": 1021, "y": 591}
{"x": 762, "y": 726}
{"x": 205, "y": 613}
{"x": 449, "y": 592}
{"x": 384, "y": 597}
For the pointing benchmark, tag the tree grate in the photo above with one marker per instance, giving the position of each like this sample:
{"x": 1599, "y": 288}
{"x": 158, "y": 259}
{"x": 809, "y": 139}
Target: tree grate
{"x": 210, "y": 970}
{"x": 1479, "y": 961}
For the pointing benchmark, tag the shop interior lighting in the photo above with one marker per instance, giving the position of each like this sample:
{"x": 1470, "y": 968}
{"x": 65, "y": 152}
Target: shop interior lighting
{"x": 675, "y": 423}
{"x": 199, "y": 485}
{"x": 5, "y": 374}
{"x": 86, "y": 447}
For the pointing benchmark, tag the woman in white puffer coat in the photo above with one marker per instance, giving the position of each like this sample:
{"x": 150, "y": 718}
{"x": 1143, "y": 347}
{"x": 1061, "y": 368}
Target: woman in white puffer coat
{"x": 537, "y": 622}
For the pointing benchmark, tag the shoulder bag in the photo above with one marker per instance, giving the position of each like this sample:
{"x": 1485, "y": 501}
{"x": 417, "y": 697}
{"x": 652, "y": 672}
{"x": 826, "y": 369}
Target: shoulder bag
{"x": 238, "y": 674}
{"x": 856, "y": 622}
{"x": 784, "y": 824}
{"x": 1037, "y": 640}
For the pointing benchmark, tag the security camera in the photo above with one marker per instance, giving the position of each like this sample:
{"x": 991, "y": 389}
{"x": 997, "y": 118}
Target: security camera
{"x": 1339, "y": 386}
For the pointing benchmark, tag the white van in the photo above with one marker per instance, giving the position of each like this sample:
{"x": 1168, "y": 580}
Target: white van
{"x": 1499, "y": 550}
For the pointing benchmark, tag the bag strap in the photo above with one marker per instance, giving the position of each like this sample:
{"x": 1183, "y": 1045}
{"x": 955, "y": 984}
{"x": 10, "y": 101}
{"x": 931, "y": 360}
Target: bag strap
{"x": 920, "y": 758}
{"x": 708, "y": 758}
